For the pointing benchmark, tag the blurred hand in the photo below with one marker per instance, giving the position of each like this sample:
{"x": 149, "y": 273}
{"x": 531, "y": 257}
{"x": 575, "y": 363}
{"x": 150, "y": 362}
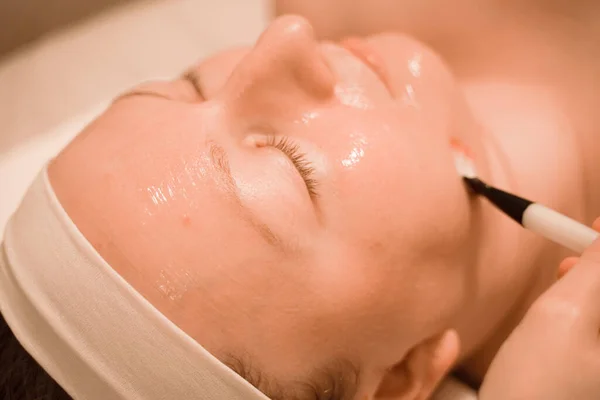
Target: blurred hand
{"x": 554, "y": 354}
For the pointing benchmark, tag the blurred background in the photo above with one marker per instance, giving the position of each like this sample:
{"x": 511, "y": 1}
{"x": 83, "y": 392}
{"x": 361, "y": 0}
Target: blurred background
{"x": 24, "y": 21}
{"x": 60, "y": 59}
{"x": 63, "y": 61}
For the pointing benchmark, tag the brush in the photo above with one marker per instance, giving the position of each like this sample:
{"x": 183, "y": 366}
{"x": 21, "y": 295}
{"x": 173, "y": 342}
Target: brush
{"x": 531, "y": 215}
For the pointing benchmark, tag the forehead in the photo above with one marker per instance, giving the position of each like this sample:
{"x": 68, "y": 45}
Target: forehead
{"x": 156, "y": 207}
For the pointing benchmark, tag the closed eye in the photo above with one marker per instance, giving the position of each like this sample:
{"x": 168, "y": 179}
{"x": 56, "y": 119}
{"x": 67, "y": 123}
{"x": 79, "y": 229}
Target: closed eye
{"x": 299, "y": 159}
{"x": 284, "y": 144}
{"x": 192, "y": 77}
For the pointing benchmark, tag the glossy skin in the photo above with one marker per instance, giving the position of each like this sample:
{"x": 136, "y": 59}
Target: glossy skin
{"x": 528, "y": 71}
{"x": 389, "y": 254}
{"x": 353, "y": 259}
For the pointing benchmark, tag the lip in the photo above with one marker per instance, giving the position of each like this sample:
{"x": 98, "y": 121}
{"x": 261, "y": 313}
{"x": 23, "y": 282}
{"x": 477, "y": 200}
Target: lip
{"x": 361, "y": 49}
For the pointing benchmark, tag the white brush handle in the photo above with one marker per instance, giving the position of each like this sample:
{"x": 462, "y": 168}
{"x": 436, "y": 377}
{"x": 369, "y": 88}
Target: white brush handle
{"x": 558, "y": 228}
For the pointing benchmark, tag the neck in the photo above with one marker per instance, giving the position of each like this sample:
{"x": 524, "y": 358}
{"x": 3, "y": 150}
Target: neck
{"x": 538, "y": 140}
{"x": 529, "y": 150}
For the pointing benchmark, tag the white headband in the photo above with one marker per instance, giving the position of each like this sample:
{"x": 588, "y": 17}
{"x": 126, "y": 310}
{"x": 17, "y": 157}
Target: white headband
{"x": 87, "y": 327}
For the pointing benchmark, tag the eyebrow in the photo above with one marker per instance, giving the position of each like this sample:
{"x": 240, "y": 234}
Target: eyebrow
{"x": 190, "y": 76}
{"x": 220, "y": 163}
{"x": 137, "y": 92}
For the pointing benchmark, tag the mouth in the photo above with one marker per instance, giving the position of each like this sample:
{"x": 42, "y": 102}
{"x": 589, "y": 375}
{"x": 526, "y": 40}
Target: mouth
{"x": 361, "y": 49}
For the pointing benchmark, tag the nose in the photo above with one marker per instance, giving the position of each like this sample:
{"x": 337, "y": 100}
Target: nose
{"x": 286, "y": 62}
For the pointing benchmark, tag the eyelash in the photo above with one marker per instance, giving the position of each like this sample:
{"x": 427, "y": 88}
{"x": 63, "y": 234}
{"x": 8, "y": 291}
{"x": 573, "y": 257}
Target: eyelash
{"x": 284, "y": 144}
{"x": 194, "y": 80}
{"x": 298, "y": 158}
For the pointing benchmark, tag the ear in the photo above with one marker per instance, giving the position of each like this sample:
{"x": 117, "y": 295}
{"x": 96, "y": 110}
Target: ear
{"x": 416, "y": 377}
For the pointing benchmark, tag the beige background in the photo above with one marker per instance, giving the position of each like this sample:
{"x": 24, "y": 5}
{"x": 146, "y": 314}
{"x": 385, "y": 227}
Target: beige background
{"x": 50, "y": 88}
{"x": 22, "y": 21}
{"x": 69, "y": 71}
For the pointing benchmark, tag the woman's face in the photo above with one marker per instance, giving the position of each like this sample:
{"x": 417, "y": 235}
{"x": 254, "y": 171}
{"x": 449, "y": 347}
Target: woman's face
{"x": 302, "y": 209}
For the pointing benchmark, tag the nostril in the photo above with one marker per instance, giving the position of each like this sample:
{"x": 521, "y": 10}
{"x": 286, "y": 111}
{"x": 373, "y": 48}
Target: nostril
{"x": 316, "y": 78}
{"x": 289, "y": 48}
{"x": 288, "y": 29}
{"x": 288, "y": 37}
{"x": 286, "y": 65}
{"x": 295, "y": 25}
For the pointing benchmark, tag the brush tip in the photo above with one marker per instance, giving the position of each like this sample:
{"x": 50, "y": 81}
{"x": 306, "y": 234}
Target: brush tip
{"x": 463, "y": 162}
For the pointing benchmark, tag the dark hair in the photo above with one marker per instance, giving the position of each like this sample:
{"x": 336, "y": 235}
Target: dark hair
{"x": 21, "y": 377}
{"x": 336, "y": 381}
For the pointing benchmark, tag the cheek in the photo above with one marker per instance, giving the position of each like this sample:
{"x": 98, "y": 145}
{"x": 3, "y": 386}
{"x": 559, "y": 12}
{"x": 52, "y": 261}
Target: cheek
{"x": 377, "y": 172}
{"x": 379, "y": 310}
{"x": 271, "y": 187}
{"x": 395, "y": 183}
